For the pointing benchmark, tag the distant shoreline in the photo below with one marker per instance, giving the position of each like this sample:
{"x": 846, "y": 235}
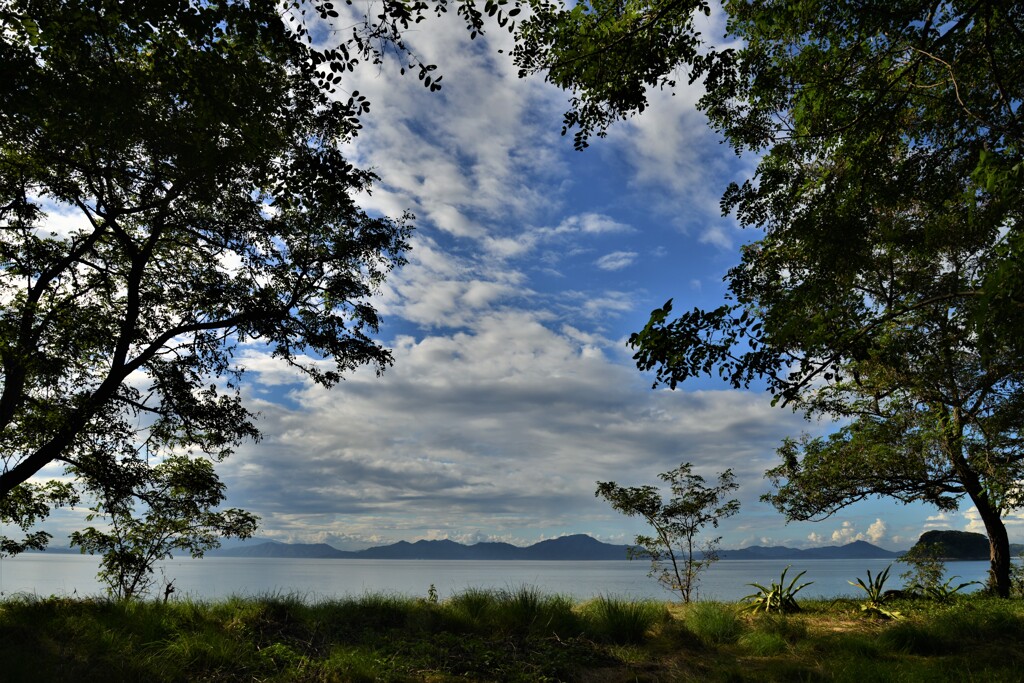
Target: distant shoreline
{"x": 574, "y": 548}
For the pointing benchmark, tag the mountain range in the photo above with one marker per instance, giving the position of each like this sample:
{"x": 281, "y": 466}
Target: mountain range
{"x": 576, "y": 547}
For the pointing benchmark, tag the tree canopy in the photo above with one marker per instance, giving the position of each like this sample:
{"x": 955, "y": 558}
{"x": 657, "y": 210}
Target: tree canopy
{"x": 195, "y": 146}
{"x": 886, "y": 290}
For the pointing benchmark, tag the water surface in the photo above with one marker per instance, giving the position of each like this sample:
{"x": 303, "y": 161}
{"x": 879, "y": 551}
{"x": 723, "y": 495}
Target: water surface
{"x": 316, "y": 579}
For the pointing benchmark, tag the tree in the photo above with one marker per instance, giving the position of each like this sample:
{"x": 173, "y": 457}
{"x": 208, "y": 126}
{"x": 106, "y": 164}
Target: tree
{"x": 887, "y": 289}
{"x": 197, "y": 145}
{"x": 178, "y": 497}
{"x": 677, "y": 554}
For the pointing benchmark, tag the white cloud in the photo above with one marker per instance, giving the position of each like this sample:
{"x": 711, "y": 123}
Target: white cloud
{"x": 847, "y": 533}
{"x": 1014, "y": 521}
{"x": 592, "y": 224}
{"x": 503, "y": 429}
{"x": 617, "y": 260}
{"x": 63, "y": 220}
{"x": 940, "y": 520}
{"x": 716, "y": 235}
{"x": 606, "y": 304}
{"x": 876, "y": 532}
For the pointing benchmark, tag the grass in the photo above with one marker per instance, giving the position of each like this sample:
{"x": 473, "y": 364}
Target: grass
{"x": 518, "y": 634}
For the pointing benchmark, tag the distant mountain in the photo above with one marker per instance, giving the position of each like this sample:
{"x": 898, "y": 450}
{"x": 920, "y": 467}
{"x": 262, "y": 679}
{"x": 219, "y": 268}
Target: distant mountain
{"x": 291, "y": 550}
{"x": 858, "y": 550}
{"x": 577, "y": 547}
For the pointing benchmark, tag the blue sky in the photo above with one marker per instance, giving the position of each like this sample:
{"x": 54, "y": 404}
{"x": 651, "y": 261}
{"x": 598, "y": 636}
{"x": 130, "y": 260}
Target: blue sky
{"x": 513, "y": 390}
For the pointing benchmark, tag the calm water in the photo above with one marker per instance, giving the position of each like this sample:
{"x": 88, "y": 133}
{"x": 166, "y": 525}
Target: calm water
{"x": 219, "y": 577}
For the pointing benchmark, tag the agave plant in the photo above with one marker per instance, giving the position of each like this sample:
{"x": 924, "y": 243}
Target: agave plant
{"x": 877, "y": 595}
{"x": 944, "y": 591}
{"x": 777, "y": 597}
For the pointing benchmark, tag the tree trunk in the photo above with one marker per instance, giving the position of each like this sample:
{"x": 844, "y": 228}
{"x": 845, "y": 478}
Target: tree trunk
{"x": 999, "y": 552}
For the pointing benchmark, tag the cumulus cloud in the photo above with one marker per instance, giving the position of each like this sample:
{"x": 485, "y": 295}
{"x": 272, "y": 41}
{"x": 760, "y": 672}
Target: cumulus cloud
{"x": 505, "y": 427}
{"x": 847, "y": 533}
{"x": 876, "y": 532}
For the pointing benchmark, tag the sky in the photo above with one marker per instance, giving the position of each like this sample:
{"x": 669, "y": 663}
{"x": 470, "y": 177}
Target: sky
{"x": 513, "y": 391}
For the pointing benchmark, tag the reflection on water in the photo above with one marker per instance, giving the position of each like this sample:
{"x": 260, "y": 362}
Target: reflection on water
{"x": 219, "y": 577}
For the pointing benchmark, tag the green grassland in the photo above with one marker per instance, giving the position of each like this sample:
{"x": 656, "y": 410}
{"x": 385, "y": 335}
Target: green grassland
{"x": 513, "y": 635}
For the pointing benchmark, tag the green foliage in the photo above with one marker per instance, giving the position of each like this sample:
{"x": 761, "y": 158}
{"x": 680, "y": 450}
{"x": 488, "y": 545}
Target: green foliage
{"x": 877, "y": 595}
{"x": 602, "y": 52}
{"x": 179, "y": 496}
{"x": 473, "y": 606}
{"x": 27, "y": 504}
{"x": 925, "y": 568}
{"x": 677, "y": 554}
{"x": 777, "y": 596}
{"x": 211, "y": 209}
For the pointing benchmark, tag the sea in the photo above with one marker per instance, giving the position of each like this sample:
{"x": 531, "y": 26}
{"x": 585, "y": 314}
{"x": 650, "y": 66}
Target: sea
{"x": 317, "y": 580}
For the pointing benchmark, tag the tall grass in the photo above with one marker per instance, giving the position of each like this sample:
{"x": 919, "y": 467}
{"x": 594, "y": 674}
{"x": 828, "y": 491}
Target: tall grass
{"x": 526, "y": 611}
{"x": 713, "y": 623}
{"x": 518, "y": 634}
{"x": 622, "y": 621}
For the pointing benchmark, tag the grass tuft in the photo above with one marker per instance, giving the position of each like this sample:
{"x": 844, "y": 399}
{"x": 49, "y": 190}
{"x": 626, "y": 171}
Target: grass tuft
{"x": 713, "y": 623}
{"x": 622, "y": 621}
